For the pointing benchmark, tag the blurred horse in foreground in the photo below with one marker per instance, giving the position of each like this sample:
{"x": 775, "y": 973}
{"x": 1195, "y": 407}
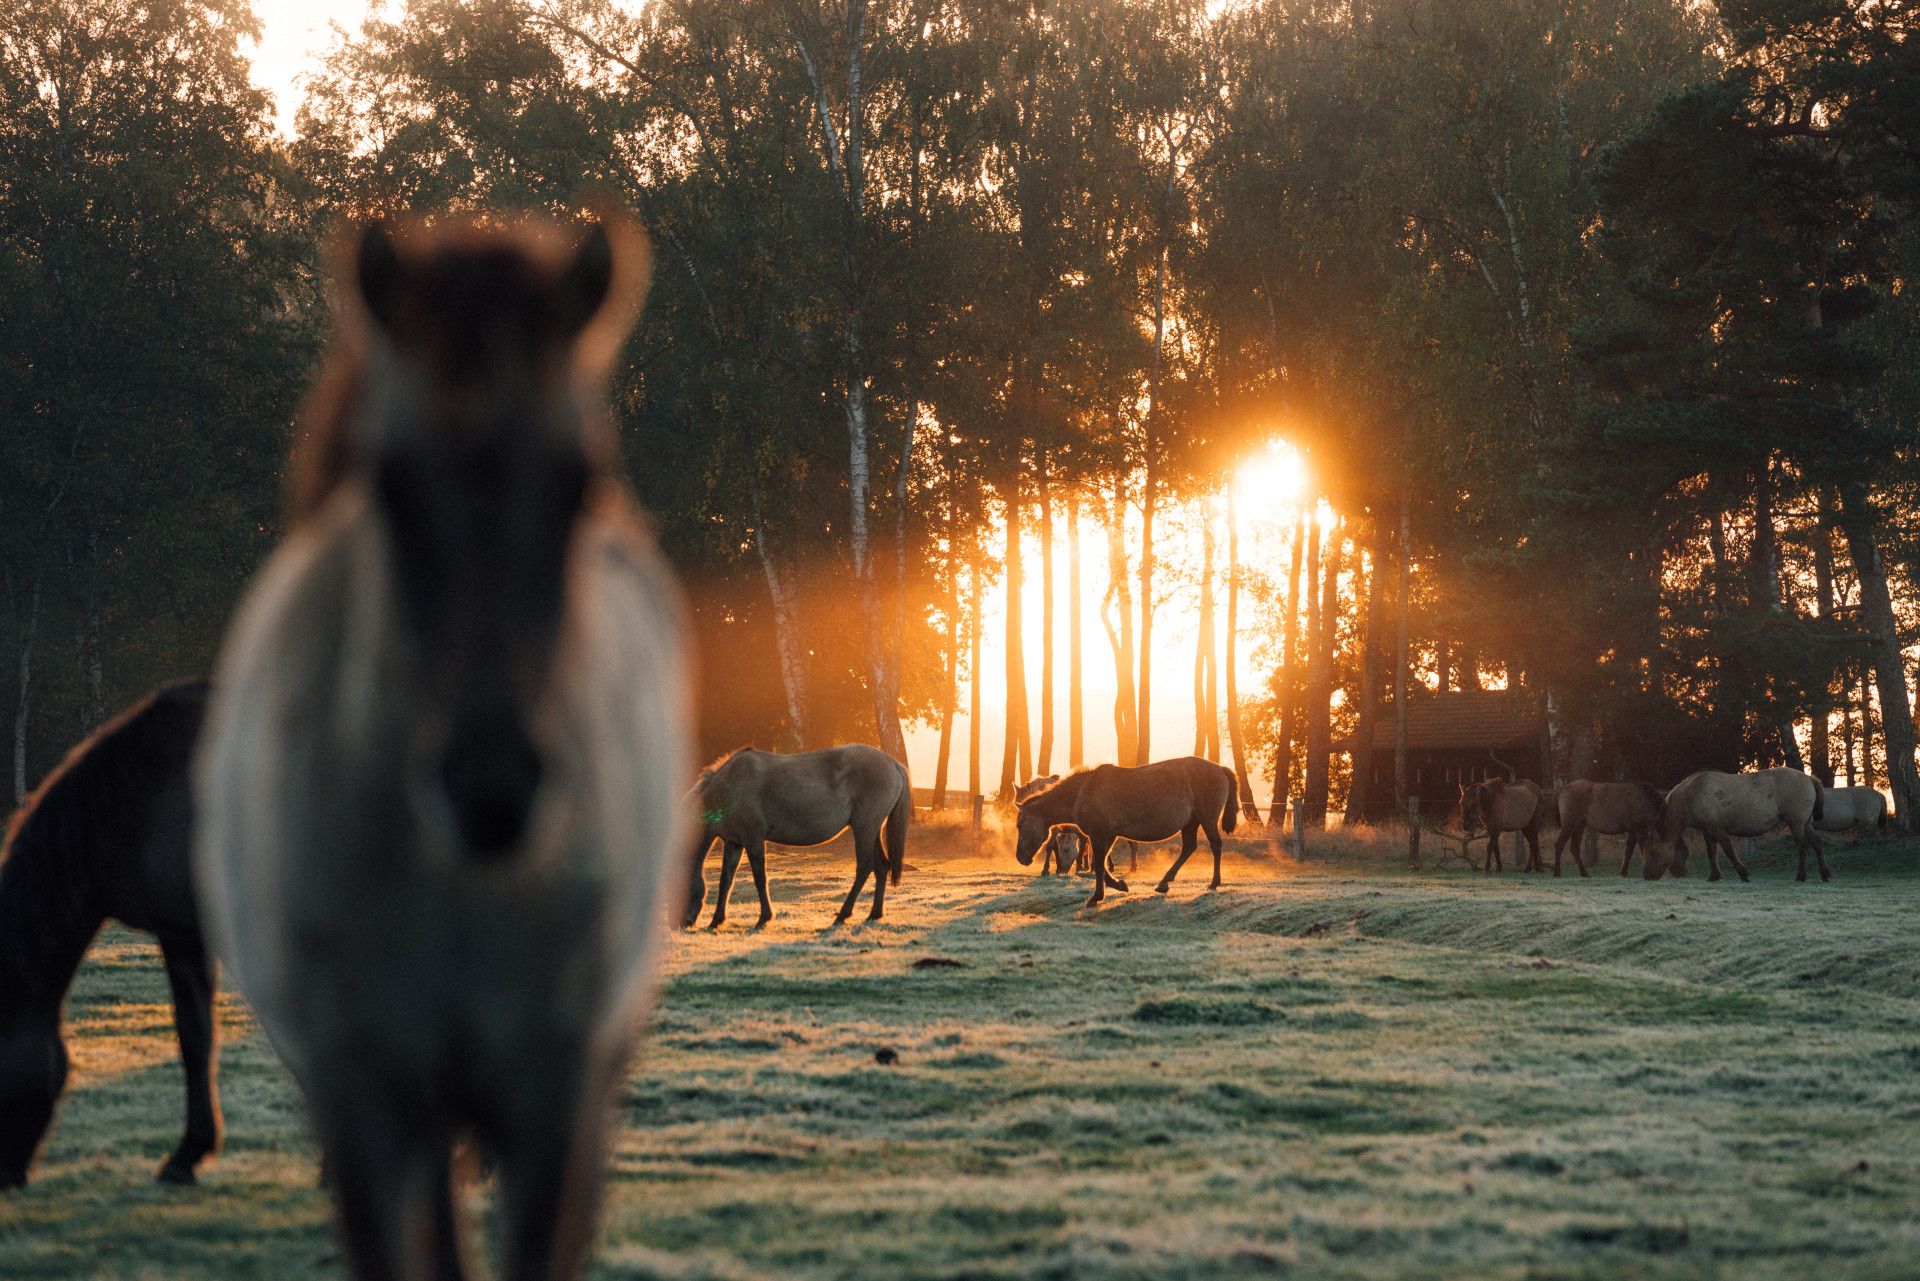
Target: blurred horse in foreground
{"x": 439, "y": 791}
{"x": 1607, "y": 809}
{"x": 105, "y": 836}
{"x": 1722, "y": 806}
{"x": 1140, "y": 803}
{"x": 749, "y": 797}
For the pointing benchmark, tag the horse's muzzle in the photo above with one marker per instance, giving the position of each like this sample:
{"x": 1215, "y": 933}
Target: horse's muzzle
{"x": 492, "y": 776}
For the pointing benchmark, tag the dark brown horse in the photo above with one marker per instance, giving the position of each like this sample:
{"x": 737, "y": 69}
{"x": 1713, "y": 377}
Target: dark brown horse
{"x": 1501, "y": 807}
{"x": 438, "y": 799}
{"x": 1066, "y": 849}
{"x": 1609, "y": 809}
{"x": 1141, "y": 803}
{"x": 105, "y": 836}
{"x": 749, "y": 797}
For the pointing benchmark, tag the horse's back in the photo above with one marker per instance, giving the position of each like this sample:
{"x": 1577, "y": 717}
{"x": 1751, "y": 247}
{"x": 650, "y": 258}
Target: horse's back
{"x": 1850, "y": 807}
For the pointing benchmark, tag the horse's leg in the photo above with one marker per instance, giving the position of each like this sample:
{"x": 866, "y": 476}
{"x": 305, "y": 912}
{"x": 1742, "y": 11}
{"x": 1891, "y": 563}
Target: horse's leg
{"x": 387, "y": 1180}
{"x": 1713, "y": 857}
{"x": 1633, "y": 839}
{"x": 757, "y": 861}
{"x": 1579, "y": 860}
{"x": 1534, "y": 862}
{"x": 1099, "y": 848}
{"x": 1189, "y": 841}
{"x": 1734, "y": 858}
{"x": 1560, "y": 843}
{"x": 1819, "y": 853}
{"x": 1211, "y": 826}
{"x": 729, "y": 867}
{"x": 190, "y": 977}
{"x": 877, "y": 860}
{"x": 551, "y": 1153}
{"x": 861, "y": 867}
{"x": 1800, "y": 840}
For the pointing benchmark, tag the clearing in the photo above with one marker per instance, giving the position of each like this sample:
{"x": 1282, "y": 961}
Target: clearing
{"x": 1337, "y": 1069}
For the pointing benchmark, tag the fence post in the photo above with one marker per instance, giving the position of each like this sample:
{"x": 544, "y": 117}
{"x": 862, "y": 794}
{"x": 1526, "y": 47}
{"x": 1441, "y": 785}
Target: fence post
{"x": 1413, "y": 832}
{"x": 1297, "y": 806}
{"x": 979, "y": 807}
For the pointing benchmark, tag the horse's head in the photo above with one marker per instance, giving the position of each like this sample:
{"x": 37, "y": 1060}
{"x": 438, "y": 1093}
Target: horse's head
{"x": 1473, "y": 807}
{"x": 479, "y": 436}
{"x": 1663, "y": 849}
{"x": 33, "y": 1071}
{"x": 1033, "y": 830}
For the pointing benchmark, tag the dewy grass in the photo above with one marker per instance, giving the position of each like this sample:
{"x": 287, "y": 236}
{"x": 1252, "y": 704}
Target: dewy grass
{"x": 1337, "y": 1068}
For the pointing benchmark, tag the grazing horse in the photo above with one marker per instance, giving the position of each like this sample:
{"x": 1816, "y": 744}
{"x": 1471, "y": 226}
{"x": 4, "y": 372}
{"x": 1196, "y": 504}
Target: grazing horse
{"x": 1723, "y": 806}
{"x": 1141, "y": 803}
{"x": 1503, "y": 807}
{"x": 1609, "y": 809}
{"x": 1065, "y": 847}
{"x": 1846, "y": 808}
{"x": 749, "y": 797}
{"x": 438, "y": 797}
{"x": 105, "y": 836}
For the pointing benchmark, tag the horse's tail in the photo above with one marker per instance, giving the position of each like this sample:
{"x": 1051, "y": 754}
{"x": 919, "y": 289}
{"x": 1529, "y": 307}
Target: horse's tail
{"x": 1230, "y": 812}
{"x": 1819, "y": 801}
{"x": 897, "y": 823}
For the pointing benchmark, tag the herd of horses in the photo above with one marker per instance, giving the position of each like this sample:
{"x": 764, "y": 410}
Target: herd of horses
{"x": 430, "y": 810}
{"x": 1718, "y": 805}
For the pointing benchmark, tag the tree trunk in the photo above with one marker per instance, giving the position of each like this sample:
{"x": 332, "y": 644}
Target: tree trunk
{"x": 1076, "y": 705}
{"x": 786, "y": 618}
{"x": 1289, "y": 669}
{"x": 1820, "y": 741}
{"x": 1400, "y": 673}
{"x": 1322, "y": 632}
{"x": 1143, "y": 718}
{"x": 1360, "y": 798}
{"x": 1206, "y": 686}
{"x": 1236, "y": 739}
{"x": 23, "y": 710}
{"x": 1766, "y": 587}
{"x": 1044, "y": 758}
{"x": 1015, "y": 756}
{"x": 950, "y": 693}
{"x": 1442, "y": 667}
{"x": 1857, "y": 516}
{"x": 1120, "y": 634}
{"x": 976, "y": 785}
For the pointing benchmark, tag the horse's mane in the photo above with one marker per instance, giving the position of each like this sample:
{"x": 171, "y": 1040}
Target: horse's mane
{"x": 1065, "y": 788}
{"x": 720, "y": 762}
{"x": 1652, "y": 793}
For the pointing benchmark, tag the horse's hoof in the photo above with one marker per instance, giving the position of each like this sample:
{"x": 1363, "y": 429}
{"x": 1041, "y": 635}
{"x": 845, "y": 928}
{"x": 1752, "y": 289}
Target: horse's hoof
{"x": 1802, "y": 875}
{"x": 1161, "y": 888}
{"x": 178, "y": 1175}
{"x": 1713, "y": 876}
{"x": 1119, "y": 885}
{"x": 1214, "y": 885}
{"x": 1825, "y": 875}
{"x": 1744, "y": 878}
{"x": 766, "y": 919}
{"x": 716, "y": 923}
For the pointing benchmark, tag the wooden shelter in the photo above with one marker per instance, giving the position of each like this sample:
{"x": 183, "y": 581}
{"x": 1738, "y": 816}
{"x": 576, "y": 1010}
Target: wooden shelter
{"x": 1452, "y": 739}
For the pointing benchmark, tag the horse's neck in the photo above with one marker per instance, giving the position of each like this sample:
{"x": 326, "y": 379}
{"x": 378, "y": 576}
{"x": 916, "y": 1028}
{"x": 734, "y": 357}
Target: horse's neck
{"x": 1058, "y": 801}
{"x": 48, "y": 916}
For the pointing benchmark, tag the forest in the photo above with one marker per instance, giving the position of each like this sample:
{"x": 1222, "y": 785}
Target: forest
{"x": 1024, "y": 377}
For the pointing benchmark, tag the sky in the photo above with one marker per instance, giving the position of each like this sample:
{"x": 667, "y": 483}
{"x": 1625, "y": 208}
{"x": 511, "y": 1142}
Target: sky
{"x": 293, "y": 35}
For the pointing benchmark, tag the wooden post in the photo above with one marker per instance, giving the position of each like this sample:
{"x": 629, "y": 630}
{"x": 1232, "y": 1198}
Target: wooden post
{"x": 1413, "y": 832}
{"x": 979, "y": 812}
{"x": 1298, "y": 806}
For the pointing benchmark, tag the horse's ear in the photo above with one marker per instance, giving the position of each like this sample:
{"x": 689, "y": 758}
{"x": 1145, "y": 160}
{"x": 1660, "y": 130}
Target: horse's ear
{"x": 600, "y": 290}
{"x": 378, "y": 273}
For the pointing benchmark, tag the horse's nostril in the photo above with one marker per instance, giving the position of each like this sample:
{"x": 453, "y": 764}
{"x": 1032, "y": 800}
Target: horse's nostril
{"x": 491, "y": 781}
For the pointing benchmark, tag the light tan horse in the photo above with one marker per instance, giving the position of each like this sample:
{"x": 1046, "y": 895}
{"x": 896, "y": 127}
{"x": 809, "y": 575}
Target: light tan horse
{"x": 1847, "y": 808}
{"x": 1502, "y": 807}
{"x": 1722, "y": 806}
{"x": 439, "y": 792}
{"x": 1608, "y": 809}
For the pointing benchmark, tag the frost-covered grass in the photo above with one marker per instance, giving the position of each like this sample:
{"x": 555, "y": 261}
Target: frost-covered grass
{"x": 1336, "y": 1069}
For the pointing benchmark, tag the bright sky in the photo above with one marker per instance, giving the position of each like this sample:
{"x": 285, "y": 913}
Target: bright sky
{"x": 293, "y": 35}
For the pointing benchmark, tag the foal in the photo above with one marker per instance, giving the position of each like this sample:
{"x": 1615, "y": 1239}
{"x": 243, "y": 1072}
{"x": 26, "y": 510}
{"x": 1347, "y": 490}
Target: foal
{"x": 442, "y": 771}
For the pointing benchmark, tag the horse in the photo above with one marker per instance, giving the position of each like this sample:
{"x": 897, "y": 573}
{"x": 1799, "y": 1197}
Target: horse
{"x": 439, "y": 790}
{"x": 1723, "y": 806}
{"x": 1140, "y": 803}
{"x": 1503, "y": 807}
{"x": 749, "y": 797}
{"x": 1065, "y": 847}
{"x": 106, "y": 835}
{"x": 1847, "y": 808}
{"x": 1610, "y": 809}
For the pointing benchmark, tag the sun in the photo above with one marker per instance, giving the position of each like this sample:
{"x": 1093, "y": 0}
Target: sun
{"x": 1273, "y": 481}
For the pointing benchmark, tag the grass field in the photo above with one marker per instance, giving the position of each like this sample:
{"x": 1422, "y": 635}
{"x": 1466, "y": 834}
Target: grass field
{"x": 1337, "y": 1069}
